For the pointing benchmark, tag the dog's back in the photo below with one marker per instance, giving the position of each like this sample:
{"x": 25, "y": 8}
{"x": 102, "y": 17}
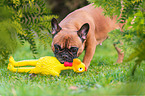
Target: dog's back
{"x": 99, "y": 24}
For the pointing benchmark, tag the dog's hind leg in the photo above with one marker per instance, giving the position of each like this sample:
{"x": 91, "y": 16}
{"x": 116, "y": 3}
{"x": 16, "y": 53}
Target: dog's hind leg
{"x": 120, "y": 54}
{"x": 119, "y": 51}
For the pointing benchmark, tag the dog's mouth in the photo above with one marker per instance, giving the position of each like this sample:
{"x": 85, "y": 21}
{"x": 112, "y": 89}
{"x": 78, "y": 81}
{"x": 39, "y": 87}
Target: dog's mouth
{"x": 62, "y": 60}
{"x": 65, "y": 57}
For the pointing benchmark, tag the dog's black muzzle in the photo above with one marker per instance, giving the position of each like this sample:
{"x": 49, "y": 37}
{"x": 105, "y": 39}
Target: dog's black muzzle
{"x": 65, "y": 54}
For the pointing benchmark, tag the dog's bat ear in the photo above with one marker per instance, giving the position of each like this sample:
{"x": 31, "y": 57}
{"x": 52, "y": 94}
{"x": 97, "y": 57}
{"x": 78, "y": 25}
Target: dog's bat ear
{"x": 82, "y": 33}
{"x": 55, "y": 27}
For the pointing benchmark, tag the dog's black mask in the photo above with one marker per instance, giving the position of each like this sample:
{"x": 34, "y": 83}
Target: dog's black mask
{"x": 65, "y": 54}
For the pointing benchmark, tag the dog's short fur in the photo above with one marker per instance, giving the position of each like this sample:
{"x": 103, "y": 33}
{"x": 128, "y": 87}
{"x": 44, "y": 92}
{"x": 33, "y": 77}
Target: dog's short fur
{"x": 82, "y": 29}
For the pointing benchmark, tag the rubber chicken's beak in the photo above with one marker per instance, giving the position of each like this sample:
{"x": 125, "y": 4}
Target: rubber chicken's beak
{"x": 85, "y": 69}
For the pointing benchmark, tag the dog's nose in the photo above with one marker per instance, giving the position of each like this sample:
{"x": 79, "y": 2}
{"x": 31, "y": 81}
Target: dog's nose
{"x": 64, "y": 56}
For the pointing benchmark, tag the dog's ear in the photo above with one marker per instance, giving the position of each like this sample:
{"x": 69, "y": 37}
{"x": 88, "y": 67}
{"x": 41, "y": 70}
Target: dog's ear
{"x": 55, "y": 27}
{"x": 82, "y": 33}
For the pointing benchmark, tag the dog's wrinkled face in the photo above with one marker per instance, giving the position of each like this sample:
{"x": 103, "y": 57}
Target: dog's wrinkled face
{"x": 68, "y": 45}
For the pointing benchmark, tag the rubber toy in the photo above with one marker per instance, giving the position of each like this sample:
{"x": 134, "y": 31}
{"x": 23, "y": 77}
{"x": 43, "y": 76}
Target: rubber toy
{"x": 45, "y": 65}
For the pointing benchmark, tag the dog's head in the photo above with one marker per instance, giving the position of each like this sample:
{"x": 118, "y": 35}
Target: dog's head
{"x": 68, "y": 44}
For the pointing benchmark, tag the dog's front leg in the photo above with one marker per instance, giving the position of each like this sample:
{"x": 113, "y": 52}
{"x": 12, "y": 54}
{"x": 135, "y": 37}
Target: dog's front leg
{"x": 89, "y": 53}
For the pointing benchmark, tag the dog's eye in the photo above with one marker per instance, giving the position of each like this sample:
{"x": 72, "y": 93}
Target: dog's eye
{"x": 73, "y": 49}
{"x": 57, "y": 48}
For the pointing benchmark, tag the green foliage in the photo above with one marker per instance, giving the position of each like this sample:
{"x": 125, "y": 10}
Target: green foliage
{"x": 132, "y": 13}
{"x": 26, "y": 19}
{"x": 7, "y": 33}
{"x": 108, "y": 6}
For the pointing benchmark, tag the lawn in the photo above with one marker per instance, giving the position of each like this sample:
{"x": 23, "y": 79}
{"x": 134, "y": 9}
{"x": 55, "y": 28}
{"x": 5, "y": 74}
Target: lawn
{"x": 104, "y": 77}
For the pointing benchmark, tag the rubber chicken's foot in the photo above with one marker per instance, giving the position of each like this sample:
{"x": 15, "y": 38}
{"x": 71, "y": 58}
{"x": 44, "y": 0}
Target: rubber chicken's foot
{"x": 10, "y": 67}
{"x": 11, "y": 60}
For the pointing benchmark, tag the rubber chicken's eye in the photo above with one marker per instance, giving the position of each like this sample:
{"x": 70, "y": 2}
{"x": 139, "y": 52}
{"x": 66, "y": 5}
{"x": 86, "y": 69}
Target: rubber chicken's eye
{"x": 80, "y": 69}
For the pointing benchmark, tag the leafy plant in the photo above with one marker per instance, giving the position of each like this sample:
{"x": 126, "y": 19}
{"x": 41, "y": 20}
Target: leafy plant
{"x": 132, "y": 13}
{"x": 26, "y": 19}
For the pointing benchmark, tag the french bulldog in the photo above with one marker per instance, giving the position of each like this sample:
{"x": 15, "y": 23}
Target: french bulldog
{"x": 83, "y": 29}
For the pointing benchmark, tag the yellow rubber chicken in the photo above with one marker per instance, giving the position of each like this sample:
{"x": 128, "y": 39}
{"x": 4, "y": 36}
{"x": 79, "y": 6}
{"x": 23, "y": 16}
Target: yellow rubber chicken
{"x": 45, "y": 65}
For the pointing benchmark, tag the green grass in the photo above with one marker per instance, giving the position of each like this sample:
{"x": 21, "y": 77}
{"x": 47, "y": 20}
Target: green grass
{"x": 103, "y": 77}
